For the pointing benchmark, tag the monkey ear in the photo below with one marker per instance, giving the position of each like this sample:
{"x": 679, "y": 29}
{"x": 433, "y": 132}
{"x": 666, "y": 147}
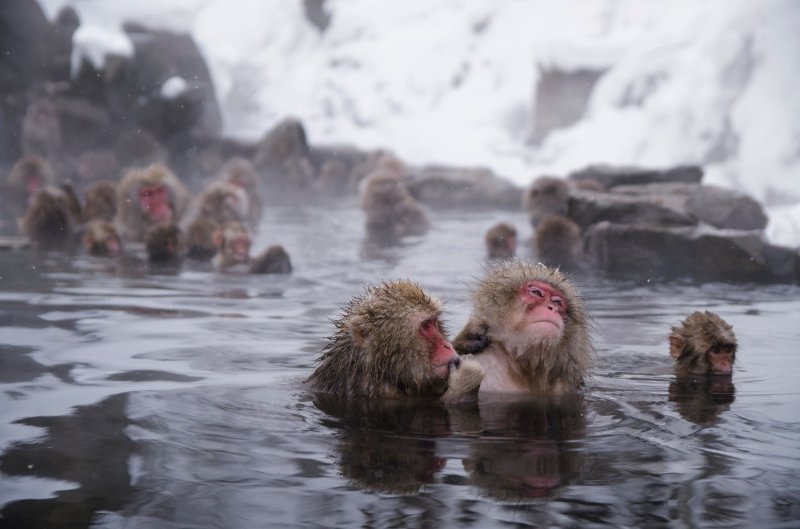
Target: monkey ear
{"x": 357, "y": 329}
{"x": 676, "y": 344}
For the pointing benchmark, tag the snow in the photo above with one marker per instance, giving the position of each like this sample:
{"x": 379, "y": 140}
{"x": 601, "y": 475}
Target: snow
{"x": 712, "y": 82}
{"x": 173, "y": 87}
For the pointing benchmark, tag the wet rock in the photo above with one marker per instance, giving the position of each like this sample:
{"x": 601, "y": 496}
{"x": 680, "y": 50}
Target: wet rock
{"x": 590, "y": 207}
{"x": 612, "y": 176}
{"x": 282, "y": 157}
{"x": 719, "y": 207}
{"x": 453, "y": 187}
{"x": 658, "y": 252}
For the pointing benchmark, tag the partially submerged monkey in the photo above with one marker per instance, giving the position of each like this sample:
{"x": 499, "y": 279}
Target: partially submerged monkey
{"x": 529, "y": 330}
{"x": 703, "y": 344}
{"x": 390, "y": 343}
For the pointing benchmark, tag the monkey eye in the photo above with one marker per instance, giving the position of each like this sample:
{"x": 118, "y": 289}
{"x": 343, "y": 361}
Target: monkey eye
{"x": 536, "y": 292}
{"x": 557, "y": 301}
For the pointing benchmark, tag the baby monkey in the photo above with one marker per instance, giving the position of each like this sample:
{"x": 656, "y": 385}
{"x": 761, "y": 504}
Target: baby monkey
{"x": 703, "y": 344}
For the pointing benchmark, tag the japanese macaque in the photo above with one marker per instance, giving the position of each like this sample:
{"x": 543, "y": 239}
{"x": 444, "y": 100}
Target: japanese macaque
{"x": 100, "y": 238}
{"x": 100, "y": 201}
{"x": 558, "y": 242}
{"x": 146, "y": 197}
{"x": 501, "y": 241}
{"x": 529, "y": 330}
{"x": 41, "y": 129}
{"x": 52, "y": 216}
{"x": 241, "y": 172}
{"x": 546, "y": 196}
{"x": 703, "y": 344}
{"x": 200, "y": 241}
{"x": 30, "y": 174}
{"x": 273, "y": 260}
{"x": 164, "y": 244}
{"x": 233, "y": 241}
{"x": 223, "y": 202}
{"x": 390, "y": 343}
{"x": 391, "y": 211}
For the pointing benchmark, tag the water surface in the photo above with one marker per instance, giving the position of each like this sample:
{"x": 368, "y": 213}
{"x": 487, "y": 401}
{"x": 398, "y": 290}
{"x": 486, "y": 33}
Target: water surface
{"x": 139, "y": 398}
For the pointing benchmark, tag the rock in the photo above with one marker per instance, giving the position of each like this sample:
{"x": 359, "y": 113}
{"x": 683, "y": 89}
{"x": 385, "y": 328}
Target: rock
{"x": 612, "y": 176}
{"x": 654, "y": 252}
{"x": 590, "y": 207}
{"x": 721, "y": 208}
{"x": 453, "y": 187}
{"x": 283, "y": 157}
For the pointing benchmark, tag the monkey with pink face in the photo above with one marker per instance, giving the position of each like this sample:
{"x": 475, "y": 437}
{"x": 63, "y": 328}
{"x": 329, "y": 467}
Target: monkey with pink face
{"x": 146, "y": 197}
{"x": 529, "y": 331}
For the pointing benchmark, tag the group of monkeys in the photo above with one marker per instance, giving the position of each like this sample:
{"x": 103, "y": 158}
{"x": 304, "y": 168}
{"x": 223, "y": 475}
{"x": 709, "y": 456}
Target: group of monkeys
{"x": 149, "y": 205}
{"x": 528, "y": 334}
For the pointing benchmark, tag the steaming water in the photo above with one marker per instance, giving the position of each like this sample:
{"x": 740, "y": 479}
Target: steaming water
{"x": 175, "y": 400}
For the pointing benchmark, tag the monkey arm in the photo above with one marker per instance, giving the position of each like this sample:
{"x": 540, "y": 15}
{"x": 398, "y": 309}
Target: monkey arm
{"x": 473, "y": 338}
{"x": 463, "y": 383}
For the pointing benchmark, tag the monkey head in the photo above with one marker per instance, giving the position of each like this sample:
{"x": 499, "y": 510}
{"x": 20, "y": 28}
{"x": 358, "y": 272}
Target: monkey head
{"x": 389, "y": 343}
{"x": 703, "y": 344}
{"x": 526, "y": 305}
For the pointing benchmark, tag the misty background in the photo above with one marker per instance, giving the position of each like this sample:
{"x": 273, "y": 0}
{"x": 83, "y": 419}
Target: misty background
{"x": 524, "y": 88}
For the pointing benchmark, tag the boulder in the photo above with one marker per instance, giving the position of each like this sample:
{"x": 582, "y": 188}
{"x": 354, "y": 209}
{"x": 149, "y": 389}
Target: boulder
{"x": 719, "y": 207}
{"x": 454, "y": 187}
{"x": 610, "y": 176}
{"x": 699, "y": 254}
{"x": 590, "y": 207}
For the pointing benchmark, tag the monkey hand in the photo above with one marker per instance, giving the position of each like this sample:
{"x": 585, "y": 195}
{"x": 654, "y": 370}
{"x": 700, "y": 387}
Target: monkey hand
{"x": 463, "y": 381}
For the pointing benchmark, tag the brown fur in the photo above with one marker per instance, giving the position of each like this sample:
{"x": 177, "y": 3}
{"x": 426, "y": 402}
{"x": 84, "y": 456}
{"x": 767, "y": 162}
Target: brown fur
{"x": 164, "y": 244}
{"x": 200, "y": 243}
{"x": 100, "y": 201}
{"x": 558, "y": 242}
{"x": 690, "y": 342}
{"x": 546, "y": 196}
{"x": 51, "y": 218}
{"x": 273, "y": 260}
{"x": 501, "y": 241}
{"x": 224, "y": 202}
{"x": 391, "y": 211}
{"x": 376, "y": 349}
{"x": 26, "y": 168}
{"x": 100, "y": 238}
{"x": 224, "y": 238}
{"x": 131, "y": 221}
{"x": 540, "y": 368}
{"x": 241, "y": 172}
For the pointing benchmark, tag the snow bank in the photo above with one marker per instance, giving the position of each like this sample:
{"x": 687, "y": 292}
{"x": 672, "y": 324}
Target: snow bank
{"x": 710, "y": 82}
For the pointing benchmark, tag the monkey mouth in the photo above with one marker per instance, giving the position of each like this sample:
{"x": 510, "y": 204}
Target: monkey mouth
{"x": 443, "y": 370}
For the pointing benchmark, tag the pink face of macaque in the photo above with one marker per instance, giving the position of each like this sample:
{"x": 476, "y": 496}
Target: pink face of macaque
{"x": 721, "y": 359}
{"x": 154, "y": 200}
{"x": 545, "y": 309}
{"x": 443, "y": 356}
{"x": 240, "y": 249}
{"x": 33, "y": 182}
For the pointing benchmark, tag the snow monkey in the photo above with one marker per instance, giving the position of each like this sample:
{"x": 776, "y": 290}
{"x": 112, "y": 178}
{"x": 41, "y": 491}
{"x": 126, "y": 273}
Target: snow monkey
{"x": 146, "y": 197}
{"x": 529, "y": 330}
{"x": 390, "y": 343}
{"x": 501, "y": 241}
{"x": 703, "y": 344}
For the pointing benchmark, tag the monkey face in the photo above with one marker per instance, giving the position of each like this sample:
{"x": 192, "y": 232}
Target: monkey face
{"x": 154, "y": 201}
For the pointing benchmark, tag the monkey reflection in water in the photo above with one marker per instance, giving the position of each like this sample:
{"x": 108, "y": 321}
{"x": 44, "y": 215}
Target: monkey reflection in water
{"x": 704, "y": 349}
{"x": 519, "y": 449}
